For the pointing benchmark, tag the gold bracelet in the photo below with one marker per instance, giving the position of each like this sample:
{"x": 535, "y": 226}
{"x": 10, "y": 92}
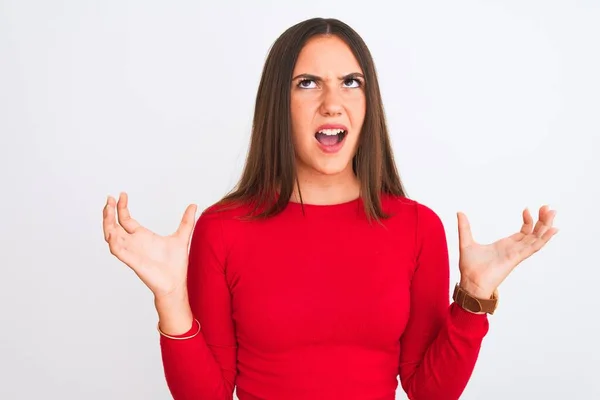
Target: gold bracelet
{"x": 179, "y": 338}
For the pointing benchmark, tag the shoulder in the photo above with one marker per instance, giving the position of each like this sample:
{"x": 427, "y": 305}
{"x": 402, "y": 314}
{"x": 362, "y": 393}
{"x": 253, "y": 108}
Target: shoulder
{"x": 213, "y": 230}
{"x": 220, "y": 221}
{"x": 420, "y": 214}
{"x": 416, "y": 219}
{"x": 416, "y": 224}
{"x": 425, "y": 228}
{"x": 224, "y": 211}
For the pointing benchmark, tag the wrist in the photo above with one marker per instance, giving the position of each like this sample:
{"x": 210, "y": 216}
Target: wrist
{"x": 476, "y": 290}
{"x": 174, "y": 313}
{"x": 174, "y": 296}
{"x": 474, "y": 298}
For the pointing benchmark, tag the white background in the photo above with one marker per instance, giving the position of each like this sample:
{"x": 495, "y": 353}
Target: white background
{"x": 493, "y": 106}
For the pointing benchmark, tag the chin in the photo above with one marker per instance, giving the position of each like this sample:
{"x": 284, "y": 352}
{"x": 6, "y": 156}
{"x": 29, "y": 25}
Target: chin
{"x": 332, "y": 168}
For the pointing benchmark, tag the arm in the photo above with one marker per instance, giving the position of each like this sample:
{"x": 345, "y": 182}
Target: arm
{"x": 203, "y": 367}
{"x": 441, "y": 343}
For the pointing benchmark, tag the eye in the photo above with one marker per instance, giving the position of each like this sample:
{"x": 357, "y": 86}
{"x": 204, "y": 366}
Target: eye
{"x": 352, "y": 82}
{"x": 305, "y": 84}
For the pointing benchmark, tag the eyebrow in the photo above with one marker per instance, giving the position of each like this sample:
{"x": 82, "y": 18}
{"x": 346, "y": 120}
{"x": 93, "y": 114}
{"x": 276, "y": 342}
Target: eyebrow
{"x": 318, "y": 78}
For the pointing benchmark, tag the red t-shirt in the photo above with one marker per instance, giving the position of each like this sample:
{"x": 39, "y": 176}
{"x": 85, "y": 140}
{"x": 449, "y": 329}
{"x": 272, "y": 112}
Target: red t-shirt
{"x": 323, "y": 305}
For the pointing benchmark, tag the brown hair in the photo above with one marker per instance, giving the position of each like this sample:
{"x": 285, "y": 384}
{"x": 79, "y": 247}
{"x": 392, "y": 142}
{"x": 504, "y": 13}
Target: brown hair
{"x": 269, "y": 174}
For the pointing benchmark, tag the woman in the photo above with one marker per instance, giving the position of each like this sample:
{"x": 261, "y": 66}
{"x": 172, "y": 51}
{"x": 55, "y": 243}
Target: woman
{"x": 317, "y": 278}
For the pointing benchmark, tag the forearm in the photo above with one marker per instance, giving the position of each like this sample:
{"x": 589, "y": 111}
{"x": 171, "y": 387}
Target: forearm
{"x": 448, "y": 362}
{"x": 190, "y": 367}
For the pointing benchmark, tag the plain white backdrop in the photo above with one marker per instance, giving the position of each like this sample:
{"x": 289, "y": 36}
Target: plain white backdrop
{"x": 492, "y": 106}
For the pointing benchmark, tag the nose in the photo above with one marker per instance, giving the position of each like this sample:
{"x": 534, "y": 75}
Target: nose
{"x": 331, "y": 104}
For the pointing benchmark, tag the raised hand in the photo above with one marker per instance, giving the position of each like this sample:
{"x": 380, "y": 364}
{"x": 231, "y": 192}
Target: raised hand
{"x": 484, "y": 267}
{"x": 159, "y": 261}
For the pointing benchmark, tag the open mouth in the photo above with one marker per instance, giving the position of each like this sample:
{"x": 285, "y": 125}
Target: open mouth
{"x": 330, "y": 137}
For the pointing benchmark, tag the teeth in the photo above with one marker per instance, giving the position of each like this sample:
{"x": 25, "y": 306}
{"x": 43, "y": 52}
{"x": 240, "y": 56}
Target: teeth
{"x": 331, "y": 132}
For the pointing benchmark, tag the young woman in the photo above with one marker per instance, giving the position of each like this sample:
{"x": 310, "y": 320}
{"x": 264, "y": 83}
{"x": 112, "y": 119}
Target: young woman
{"x": 317, "y": 277}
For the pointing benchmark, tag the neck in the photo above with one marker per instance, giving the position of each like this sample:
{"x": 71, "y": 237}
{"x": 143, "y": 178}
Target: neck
{"x": 320, "y": 189}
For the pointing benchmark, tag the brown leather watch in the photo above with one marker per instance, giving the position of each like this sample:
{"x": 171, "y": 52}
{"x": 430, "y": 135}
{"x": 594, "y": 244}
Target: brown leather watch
{"x": 474, "y": 304}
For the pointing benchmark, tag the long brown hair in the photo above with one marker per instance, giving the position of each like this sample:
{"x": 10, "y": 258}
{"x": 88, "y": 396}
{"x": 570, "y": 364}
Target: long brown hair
{"x": 269, "y": 175}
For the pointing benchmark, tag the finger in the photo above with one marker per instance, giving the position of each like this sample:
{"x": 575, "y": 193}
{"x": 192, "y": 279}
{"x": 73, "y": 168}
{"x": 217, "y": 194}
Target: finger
{"x": 465, "y": 236}
{"x": 549, "y": 234}
{"x": 526, "y": 228}
{"x": 109, "y": 222}
{"x": 118, "y": 246}
{"x": 184, "y": 231}
{"x": 542, "y": 219}
{"x": 116, "y": 241}
{"x": 538, "y": 243}
{"x": 543, "y": 212}
{"x": 529, "y": 240}
{"x": 544, "y": 223}
{"x": 128, "y": 223}
{"x": 527, "y": 222}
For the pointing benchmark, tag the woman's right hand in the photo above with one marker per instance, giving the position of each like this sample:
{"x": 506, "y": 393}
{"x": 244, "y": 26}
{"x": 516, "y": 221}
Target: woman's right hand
{"x": 161, "y": 262}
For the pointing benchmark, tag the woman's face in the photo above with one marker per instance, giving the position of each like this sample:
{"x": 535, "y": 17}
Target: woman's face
{"x": 327, "y": 106}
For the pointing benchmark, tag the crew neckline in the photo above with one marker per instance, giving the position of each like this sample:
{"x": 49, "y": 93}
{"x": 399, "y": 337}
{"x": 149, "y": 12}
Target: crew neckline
{"x": 327, "y": 209}
{"x": 343, "y": 203}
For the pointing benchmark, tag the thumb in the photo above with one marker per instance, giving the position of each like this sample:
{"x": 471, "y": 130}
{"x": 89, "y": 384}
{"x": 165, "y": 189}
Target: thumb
{"x": 465, "y": 237}
{"x": 186, "y": 226}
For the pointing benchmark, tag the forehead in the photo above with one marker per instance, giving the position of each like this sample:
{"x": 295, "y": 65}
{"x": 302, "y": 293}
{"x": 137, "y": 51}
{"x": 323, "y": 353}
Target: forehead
{"x": 323, "y": 55}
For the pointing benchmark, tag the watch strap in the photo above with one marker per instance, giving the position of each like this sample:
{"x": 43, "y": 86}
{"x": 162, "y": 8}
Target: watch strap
{"x": 474, "y": 304}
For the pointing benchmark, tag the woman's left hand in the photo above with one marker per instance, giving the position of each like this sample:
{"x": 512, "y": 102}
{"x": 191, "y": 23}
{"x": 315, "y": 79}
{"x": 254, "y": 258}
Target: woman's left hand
{"x": 484, "y": 267}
